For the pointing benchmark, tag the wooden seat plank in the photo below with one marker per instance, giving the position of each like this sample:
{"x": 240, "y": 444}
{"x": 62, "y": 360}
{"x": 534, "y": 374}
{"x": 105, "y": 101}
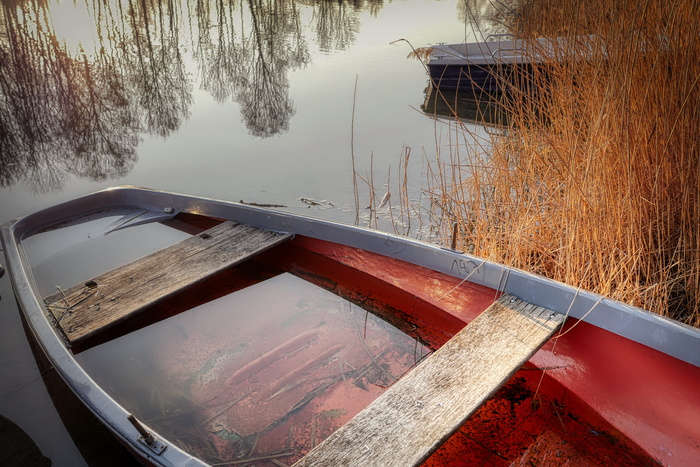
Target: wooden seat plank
{"x": 420, "y": 411}
{"x": 88, "y": 308}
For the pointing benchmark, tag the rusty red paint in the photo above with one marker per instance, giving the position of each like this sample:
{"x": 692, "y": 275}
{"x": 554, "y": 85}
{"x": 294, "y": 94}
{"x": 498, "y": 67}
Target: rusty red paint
{"x": 534, "y": 421}
{"x": 653, "y": 398}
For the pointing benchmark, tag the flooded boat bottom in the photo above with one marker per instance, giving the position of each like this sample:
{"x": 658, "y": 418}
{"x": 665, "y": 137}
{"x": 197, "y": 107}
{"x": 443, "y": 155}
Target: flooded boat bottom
{"x": 264, "y": 373}
{"x": 265, "y": 364}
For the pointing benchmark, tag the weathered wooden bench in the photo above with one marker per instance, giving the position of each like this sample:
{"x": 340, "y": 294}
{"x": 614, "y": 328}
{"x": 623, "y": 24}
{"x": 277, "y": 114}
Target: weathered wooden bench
{"x": 86, "y": 309}
{"x": 421, "y": 410}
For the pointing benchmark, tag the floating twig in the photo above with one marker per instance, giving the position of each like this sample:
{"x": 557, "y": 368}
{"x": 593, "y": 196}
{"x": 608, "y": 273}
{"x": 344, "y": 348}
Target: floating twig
{"x": 259, "y": 458}
{"x": 262, "y": 205}
{"x": 236, "y": 401}
{"x": 255, "y": 443}
{"x": 369, "y": 352}
{"x": 314, "y": 427}
{"x": 65, "y": 298}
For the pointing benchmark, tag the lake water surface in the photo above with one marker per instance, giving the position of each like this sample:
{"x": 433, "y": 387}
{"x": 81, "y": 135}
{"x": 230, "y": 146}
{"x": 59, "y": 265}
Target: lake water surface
{"x": 257, "y": 100}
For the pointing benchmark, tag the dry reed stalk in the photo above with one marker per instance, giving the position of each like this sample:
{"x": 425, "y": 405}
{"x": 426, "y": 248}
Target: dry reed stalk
{"x": 597, "y": 181}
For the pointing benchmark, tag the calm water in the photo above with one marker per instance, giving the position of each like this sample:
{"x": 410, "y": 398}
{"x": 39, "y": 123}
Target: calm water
{"x": 257, "y": 100}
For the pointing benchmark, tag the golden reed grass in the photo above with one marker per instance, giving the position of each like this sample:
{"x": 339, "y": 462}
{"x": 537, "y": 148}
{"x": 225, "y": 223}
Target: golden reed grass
{"x": 596, "y": 182}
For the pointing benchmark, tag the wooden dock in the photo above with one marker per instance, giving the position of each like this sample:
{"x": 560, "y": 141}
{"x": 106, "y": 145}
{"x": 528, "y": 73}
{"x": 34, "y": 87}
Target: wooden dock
{"x": 420, "y": 411}
{"x": 86, "y": 309}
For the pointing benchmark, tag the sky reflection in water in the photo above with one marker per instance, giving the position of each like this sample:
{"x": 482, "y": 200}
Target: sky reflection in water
{"x": 252, "y": 98}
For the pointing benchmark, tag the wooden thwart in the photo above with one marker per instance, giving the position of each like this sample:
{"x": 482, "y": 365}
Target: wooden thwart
{"x": 420, "y": 411}
{"x": 85, "y": 309}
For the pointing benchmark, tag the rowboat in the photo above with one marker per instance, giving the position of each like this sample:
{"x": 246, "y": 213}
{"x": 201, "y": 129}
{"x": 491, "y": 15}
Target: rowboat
{"x": 206, "y": 332}
{"x": 501, "y": 66}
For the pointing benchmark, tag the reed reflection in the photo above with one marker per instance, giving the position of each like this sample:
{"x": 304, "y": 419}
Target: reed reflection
{"x": 80, "y": 111}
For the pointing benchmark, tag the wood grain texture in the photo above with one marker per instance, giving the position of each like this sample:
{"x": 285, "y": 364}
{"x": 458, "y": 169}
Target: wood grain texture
{"x": 87, "y": 308}
{"x": 420, "y": 411}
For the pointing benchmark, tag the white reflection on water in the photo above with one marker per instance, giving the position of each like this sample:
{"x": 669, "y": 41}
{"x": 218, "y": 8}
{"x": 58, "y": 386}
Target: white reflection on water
{"x": 232, "y": 100}
{"x": 76, "y": 252}
{"x": 273, "y": 368}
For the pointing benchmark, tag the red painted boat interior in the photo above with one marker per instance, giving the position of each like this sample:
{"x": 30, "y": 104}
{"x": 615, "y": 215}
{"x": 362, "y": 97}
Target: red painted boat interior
{"x": 538, "y": 417}
{"x": 651, "y": 397}
{"x": 588, "y": 397}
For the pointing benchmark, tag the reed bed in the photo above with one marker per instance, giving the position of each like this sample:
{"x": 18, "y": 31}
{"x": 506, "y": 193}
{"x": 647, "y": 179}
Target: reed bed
{"x": 595, "y": 182}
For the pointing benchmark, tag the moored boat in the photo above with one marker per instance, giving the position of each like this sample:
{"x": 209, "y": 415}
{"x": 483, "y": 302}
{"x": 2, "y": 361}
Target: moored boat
{"x": 207, "y": 332}
{"x": 501, "y": 66}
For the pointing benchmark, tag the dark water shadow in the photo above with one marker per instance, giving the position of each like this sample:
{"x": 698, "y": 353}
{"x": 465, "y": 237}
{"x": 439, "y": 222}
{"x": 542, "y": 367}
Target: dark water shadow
{"x": 17, "y": 448}
{"x": 95, "y": 442}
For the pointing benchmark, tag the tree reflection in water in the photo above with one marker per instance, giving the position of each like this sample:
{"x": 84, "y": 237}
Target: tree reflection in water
{"x": 250, "y": 57}
{"x": 337, "y": 23}
{"x": 82, "y": 113}
{"x": 59, "y": 114}
{"x": 151, "y": 60}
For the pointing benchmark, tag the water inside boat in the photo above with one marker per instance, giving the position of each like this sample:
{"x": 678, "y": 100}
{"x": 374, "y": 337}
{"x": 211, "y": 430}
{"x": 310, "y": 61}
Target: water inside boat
{"x": 267, "y": 371}
{"x": 261, "y": 363}
{"x": 273, "y": 368}
{"x": 79, "y": 249}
